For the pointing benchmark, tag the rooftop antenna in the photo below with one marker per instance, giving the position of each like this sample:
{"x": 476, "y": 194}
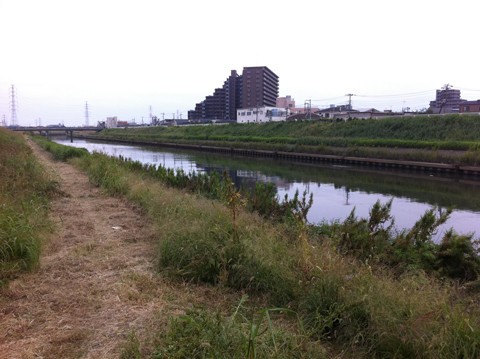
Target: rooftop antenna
{"x": 13, "y": 107}
{"x": 87, "y": 120}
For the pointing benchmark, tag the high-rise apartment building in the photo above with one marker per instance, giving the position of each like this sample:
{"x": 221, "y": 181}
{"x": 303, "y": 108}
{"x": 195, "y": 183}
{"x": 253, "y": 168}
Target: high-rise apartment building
{"x": 256, "y": 87}
{"x": 260, "y": 87}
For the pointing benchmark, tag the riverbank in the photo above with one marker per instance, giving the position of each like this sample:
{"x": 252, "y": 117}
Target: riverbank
{"x": 433, "y": 167}
{"x": 138, "y": 268}
{"x": 437, "y": 143}
{"x": 339, "y": 304}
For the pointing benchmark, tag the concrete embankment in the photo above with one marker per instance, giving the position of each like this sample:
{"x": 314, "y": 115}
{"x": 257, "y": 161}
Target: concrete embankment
{"x": 312, "y": 157}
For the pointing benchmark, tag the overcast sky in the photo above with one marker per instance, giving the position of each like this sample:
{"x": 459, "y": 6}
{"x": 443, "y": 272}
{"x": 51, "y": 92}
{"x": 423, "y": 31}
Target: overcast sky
{"x": 124, "y": 56}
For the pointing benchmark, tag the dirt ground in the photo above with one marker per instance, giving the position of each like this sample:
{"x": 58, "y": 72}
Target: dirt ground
{"x": 96, "y": 283}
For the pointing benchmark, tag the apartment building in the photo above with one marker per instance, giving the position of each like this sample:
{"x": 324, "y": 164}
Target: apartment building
{"x": 256, "y": 87}
{"x": 447, "y": 100}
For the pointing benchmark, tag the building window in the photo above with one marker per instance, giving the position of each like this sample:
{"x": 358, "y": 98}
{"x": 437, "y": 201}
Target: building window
{"x": 249, "y": 113}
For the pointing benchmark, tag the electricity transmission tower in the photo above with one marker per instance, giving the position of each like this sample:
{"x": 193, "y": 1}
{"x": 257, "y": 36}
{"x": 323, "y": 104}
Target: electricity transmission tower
{"x": 13, "y": 107}
{"x": 87, "y": 117}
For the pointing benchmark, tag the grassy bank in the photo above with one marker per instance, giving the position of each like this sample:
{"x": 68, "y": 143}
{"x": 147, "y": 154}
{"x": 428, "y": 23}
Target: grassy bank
{"x": 451, "y": 139}
{"x": 24, "y": 193}
{"x": 312, "y": 292}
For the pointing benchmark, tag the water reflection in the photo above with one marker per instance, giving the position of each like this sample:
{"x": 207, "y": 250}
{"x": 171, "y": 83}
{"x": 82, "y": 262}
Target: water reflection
{"x": 336, "y": 190}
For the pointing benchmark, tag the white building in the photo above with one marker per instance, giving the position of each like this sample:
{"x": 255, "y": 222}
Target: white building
{"x": 111, "y": 122}
{"x": 261, "y": 114}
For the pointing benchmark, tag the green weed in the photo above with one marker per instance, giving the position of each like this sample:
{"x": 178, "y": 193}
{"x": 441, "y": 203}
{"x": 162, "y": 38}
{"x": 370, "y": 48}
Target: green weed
{"x": 24, "y": 193}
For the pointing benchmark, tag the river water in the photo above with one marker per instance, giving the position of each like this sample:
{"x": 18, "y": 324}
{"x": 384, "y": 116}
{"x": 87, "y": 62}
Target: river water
{"x": 336, "y": 190}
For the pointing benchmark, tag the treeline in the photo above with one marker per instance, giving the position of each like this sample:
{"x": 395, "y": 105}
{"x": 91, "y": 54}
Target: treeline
{"x": 354, "y": 287}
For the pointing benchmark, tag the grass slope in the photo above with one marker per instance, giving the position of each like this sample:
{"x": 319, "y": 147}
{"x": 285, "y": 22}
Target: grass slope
{"x": 329, "y": 303}
{"x": 420, "y": 137}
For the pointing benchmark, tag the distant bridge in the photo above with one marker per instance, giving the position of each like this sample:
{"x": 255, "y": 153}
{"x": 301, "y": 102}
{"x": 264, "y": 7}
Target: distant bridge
{"x": 46, "y": 130}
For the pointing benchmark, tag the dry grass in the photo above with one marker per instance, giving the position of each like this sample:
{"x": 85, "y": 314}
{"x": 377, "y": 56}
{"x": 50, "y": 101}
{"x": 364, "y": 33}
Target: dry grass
{"x": 96, "y": 282}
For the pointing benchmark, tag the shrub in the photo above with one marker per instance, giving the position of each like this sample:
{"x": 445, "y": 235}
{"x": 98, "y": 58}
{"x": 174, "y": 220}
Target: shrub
{"x": 368, "y": 239}
{"x": 457, "y": 257}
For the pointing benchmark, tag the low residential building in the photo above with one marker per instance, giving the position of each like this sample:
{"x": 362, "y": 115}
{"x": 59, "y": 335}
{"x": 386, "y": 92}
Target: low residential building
{"x": 470, "y": 106}
{"x": 286, "y": 102}
{"x": 261, "y": 114}
{"x": 111, "y": 122}
{"x": 343, "y": 112}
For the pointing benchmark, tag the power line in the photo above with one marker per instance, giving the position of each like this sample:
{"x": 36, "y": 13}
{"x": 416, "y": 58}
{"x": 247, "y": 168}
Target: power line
{"x": 401, "y": 94}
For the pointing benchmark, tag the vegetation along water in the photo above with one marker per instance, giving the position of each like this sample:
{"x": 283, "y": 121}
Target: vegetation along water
{"x": 354, "y": 288}
{"x": 336, "y": 190}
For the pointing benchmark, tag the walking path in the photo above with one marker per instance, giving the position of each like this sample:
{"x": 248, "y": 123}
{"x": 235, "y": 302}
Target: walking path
{"x": 95, "y": 283}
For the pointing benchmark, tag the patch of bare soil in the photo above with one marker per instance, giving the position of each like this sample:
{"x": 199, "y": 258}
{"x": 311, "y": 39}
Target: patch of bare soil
{"x": 96, "y": 282}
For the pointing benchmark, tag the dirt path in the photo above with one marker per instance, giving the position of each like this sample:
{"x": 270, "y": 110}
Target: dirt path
{"x": 95, "y": 283}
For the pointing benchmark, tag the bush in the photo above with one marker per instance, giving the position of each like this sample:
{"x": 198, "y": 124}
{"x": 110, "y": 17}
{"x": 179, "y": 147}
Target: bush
{"x": 367, "y": 239}
{"x": 457, "y": 257}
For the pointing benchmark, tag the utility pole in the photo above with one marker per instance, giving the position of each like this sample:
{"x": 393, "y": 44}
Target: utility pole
{"x": 87, "y": 117}
{"x": 308, "y": 109}
{"x": 350, "y": 100}
{"x": 13, "y": 107}
{"x": 150, "y": 115}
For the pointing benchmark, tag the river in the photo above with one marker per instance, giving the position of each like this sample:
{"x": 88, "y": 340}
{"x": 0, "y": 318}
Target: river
{"x": 336, "y": 190}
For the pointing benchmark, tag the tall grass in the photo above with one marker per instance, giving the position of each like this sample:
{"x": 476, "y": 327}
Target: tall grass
{"x": 60, "y": 152}
{"x": 24, "y": 193}
{"x": 343, "y": 304}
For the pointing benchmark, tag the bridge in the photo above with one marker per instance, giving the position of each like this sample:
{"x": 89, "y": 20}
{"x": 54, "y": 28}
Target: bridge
{"x": 46, "y": 130}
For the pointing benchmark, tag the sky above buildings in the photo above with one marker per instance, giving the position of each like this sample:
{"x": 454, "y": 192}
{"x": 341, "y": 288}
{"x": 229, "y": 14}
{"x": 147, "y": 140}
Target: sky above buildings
{"x": 124, "y": 56}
